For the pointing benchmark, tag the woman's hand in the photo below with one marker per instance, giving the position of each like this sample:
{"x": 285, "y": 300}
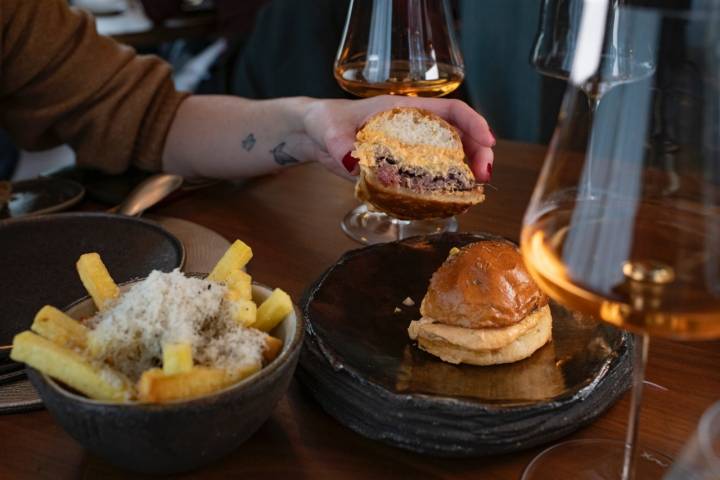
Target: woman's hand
{"x": 215, "y": 136}
{"x": 332, "y": 124}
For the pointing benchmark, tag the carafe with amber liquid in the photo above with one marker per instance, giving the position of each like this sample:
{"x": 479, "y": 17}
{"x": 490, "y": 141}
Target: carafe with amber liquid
{"x": 397, "y": 47}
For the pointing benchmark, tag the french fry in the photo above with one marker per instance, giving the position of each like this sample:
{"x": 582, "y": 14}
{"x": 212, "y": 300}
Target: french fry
{"x": 235, "y": 258}
{"x": 272, "y": 348}
{"x": 242, "y": 373}
{"x": 244, "y": 312}
{"x": 59, "y": 328}
{"x": 239, "y": 285}
{"x": 97, "y": 280}
{"x": 177, "y": 358}
{"x": 156, "y": 387}
{"x": 273, "y": 310}
{"x": 69, "y": 367}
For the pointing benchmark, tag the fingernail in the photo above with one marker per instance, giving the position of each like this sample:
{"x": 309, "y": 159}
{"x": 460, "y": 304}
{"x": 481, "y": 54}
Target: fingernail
{"x": 489, "y": 171}
{"x": 494, "y": 137}
{"x": 349, "y": 162}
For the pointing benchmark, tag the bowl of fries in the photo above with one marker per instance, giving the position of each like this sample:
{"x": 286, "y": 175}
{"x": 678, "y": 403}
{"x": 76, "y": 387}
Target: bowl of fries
{"x": 153, "y": 395}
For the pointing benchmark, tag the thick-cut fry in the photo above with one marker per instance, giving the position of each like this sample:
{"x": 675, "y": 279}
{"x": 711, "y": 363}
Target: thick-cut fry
{"x": 59, "y": 328}
{"x": 239, "y": 285}
{"x": 97, "y": 280}
{"x": 177, "y": 358}
{"x": 235, "y": 258}
{"x": 244, "y": 312}
{"x": 156, "y": 387}
{"x": 241, "y": 373}
{"x": 69, "y": 367}
{"x": 273, "y": 310}
{"x": 272, "y": 348}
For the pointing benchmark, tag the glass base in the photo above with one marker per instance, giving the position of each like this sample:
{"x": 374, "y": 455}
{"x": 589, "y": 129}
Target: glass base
{"x": 594, "y": 459}
{"x": 370, "y": 227}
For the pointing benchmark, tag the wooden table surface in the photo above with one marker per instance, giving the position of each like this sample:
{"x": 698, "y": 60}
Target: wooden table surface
{"x": 292, "y": 222}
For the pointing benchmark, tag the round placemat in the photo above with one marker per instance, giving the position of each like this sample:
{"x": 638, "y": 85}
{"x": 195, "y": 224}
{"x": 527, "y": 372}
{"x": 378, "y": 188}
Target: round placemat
{"x": 203, "y": 247}
{"x": 19, "y": 396}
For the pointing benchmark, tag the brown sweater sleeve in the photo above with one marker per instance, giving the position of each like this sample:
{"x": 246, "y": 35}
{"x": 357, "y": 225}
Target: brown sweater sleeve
{"x": 61, "y": 82}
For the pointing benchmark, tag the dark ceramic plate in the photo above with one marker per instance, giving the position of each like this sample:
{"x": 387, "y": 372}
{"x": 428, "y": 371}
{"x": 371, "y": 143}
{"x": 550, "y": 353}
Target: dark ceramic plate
{"x": 38, "y": 255}
{"x": 41, "y": 195}
{"x": 364, "y": 370}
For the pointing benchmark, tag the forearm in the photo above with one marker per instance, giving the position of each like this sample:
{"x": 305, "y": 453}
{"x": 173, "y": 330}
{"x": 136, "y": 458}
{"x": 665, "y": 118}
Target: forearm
{"x": 231, "y": 137}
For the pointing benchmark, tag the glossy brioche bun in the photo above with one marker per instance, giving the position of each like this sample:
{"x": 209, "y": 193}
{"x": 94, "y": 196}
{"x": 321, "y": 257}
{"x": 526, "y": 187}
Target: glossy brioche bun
{"x": 484, "y": 346}
{"x": 413, "y": 138}
{"x": 485, "y": 284}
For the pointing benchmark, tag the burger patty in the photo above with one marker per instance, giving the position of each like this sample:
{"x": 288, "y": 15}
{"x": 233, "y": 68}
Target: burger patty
{"x": 390, "y": 173}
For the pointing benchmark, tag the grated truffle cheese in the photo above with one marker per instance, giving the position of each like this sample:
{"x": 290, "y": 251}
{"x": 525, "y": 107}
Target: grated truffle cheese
{"x": 171, "y": 308}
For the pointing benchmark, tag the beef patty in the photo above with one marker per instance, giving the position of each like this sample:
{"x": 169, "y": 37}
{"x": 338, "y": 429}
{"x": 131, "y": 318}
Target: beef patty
{"x": 417, "y": 179}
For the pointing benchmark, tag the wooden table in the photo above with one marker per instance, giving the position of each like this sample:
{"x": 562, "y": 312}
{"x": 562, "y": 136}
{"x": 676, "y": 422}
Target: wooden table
{"x": 292, "y": 222}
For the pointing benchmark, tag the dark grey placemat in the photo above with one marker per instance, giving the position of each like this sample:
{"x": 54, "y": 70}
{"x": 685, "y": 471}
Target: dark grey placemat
{"x": 19, "y": 396}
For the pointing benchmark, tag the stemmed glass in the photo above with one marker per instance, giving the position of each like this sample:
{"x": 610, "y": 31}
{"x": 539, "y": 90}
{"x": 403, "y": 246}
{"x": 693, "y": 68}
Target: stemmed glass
{"x": 636, "y": 254}
{"x": 623, "y": 56}
{"x": 397, "y": 47}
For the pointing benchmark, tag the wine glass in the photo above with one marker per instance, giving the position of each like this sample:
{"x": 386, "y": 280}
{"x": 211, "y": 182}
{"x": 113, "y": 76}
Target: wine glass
{"x": 397, "y": 47}
{"x": 624, "y": 57}
{"x": 636, "y": 254}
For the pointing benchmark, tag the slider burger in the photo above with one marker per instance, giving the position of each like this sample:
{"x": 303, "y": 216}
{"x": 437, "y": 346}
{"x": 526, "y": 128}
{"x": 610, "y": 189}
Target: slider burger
{"x": 482, "y": 308}
{"x": 412, "y": 166}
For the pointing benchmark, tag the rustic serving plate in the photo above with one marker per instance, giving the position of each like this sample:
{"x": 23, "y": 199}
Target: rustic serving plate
{"x": 363, "y": 369}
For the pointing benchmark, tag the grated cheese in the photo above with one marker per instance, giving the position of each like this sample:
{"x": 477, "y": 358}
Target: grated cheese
{"x": 408, "y": 302}
{"x": 172, "y": 308}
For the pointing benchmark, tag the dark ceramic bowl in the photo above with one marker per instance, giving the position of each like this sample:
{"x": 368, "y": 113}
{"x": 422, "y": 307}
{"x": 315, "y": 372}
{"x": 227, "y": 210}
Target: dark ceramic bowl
{"x": 178, "y": 436}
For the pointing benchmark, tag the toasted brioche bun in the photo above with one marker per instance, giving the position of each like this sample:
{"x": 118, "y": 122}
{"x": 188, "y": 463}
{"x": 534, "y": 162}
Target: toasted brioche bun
{"x": 474, "y": 346}
{"x": 405, "y": 204}
{"x": 485, "y": 284}
{"x": 413, "y": 138}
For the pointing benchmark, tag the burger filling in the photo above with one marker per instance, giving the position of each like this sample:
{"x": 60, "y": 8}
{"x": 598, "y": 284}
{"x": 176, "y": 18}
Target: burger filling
{"x": 392, "y": 174}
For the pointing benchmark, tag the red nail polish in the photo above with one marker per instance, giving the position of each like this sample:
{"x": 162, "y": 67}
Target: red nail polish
{"x": 489, "y": 171}
{"x": 349, "y": 162}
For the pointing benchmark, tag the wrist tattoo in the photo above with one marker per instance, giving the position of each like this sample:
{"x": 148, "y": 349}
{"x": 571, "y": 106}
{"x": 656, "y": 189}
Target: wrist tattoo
{"x": 281, "y": 157}
{"x": 248, "y": 143}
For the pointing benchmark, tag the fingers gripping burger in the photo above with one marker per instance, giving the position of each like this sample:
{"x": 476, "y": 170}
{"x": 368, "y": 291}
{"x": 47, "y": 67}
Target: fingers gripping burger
{"x": 412, "y": 166}
{"x": 482, "y": 308}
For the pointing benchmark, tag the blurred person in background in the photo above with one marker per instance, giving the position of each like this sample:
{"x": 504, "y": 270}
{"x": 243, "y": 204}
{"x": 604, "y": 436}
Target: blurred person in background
{"x": 61, "y": 82}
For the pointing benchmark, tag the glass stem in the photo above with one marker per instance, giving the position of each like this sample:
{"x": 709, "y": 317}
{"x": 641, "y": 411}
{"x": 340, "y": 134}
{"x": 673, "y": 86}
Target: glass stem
{"x": 642, "y": 342}
{"x": 593, "y": 103}
{"x": 400, "y": 229}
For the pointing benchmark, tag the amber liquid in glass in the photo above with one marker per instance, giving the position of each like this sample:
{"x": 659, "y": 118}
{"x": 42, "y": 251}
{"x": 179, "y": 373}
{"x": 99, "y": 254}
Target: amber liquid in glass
{"x": 667, "y": 285}
{"x": 399, "y": 81}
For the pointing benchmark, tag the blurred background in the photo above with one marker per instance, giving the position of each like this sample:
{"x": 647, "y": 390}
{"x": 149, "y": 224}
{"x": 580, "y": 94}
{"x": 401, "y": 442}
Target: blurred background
{"x": 276, "y": 48}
